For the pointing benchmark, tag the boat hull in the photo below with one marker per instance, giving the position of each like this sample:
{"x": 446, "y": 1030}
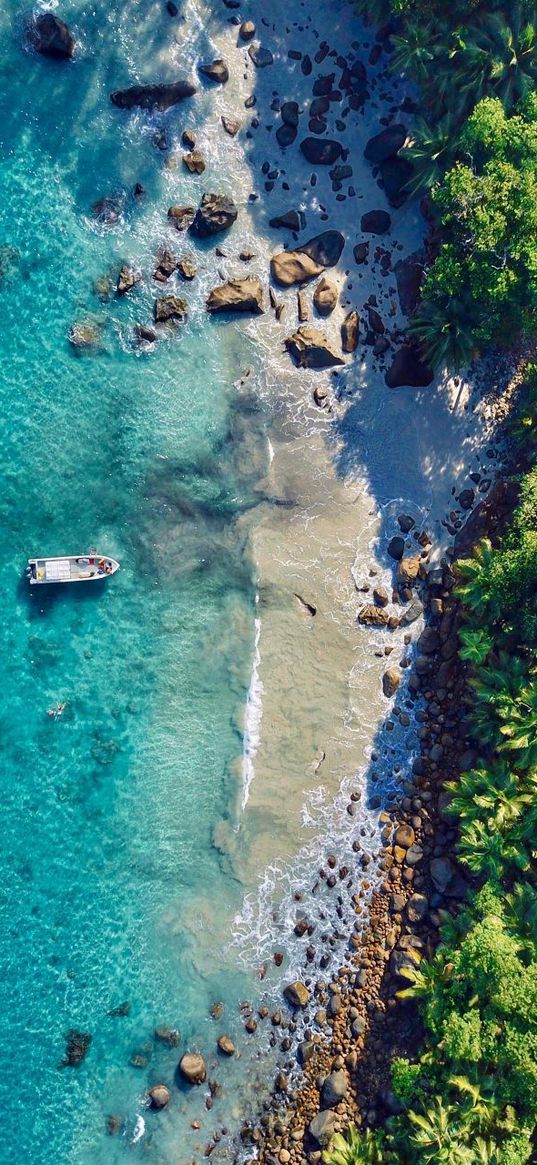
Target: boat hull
{"x": 75, "y": 568}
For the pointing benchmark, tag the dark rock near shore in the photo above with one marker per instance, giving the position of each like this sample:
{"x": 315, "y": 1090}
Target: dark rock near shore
{"x": 385, "y": 144}
{"x": 127, "y": 279}
{"x": 395, "y": 174}
{"x": 310, "y": 349}
{"x": 376, "y": 222}
{"x": 215, "y": 71}
{"x": 409, "y": 274}
{"x": 321, "y": 151}
{"x": 153, "y": 96}
{"x": 144, "y": 334}
{"x": 237, "y": 295}
{"x": 360, "y": 252}
{"x": 76, "y": 1048}
{"x": 322, "y": 1128}
{"x": 51, "y": 37}
{"x": 334, "y": 1089}
{"x": 408, "y": 368}
{"x": 260, "y": 56}
{"x": 285, "y": 135}
{"x": 217, "y": 213}
{"x": 194, "y": 162}
{"x": 290, "y": 221}
{"x": 107, "y": 210}
{"x": 325, "y": 248}
{"x": 396, "y": 547}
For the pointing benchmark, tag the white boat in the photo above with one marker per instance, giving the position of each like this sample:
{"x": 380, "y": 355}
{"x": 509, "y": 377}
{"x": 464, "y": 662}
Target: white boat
{"x": 74, "y": 568}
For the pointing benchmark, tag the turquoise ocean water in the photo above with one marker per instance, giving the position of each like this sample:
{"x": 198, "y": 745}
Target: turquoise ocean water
{"x": 111, "y": 885}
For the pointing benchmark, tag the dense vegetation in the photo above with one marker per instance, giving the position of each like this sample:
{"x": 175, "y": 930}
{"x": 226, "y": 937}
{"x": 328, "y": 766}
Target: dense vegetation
{"x": 474, "y": 150}
{"x": 471, "y": 1097}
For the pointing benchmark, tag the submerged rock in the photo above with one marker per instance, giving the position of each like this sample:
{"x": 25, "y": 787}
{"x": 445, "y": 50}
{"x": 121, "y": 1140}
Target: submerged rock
{"x": 168, "y": 1035}
{"x": 76, "y": 1048}
{"x": 216, "y": 213}
{"x": 152, "y": 96}
{"x": 310, "y": 349}
{"x": 237, "y": 295}
{"x": 85, "y": 334}
{"x": 50, "y": 36}
{"x": 107, "y": 210}
{"x": 192, "y": 1068}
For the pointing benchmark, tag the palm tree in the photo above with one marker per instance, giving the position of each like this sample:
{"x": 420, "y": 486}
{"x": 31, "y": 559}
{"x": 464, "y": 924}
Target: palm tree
{"x": 488, "y": 852}
{"x": 356, "y": 1149}
{"x": 474, "y": 591}
{"x": 444, "y": 330}
{"x": 493, "y": 796}
{"x": 519, "y": 727}
{"x": 431, "y": 151}
{"x": 476, "y": 644}
{"x": 414, "y": 53}
{"x": 437, "y": 1135}
{"x": 498, "y": 57}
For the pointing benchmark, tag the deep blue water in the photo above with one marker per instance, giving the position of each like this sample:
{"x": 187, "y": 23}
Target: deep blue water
{"x": 112, "y": 889}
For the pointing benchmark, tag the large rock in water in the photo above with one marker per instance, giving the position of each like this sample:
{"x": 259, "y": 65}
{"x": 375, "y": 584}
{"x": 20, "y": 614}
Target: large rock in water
{"x": 76, "y": 1048}
{"x": 385, "y": 144}
{"x": 244, "y": 295}
{"x": 310, "y": 349}
{"x": 289, "y": 220}
{"x": 169, "y": 307}
{"x": 159, "y": 1096}
{"x": 290, "y": 267}
{"x": 408, "y": 369}
{"x": 192, "y": 1067}
{"x": 321, "y": 151}
{"x": 216, "y": 213}
{"x": 216, "y": 71}
{"x": 297, "y": 994}
{"x": 153, "y": 96}
{"x": 51, "y": 37}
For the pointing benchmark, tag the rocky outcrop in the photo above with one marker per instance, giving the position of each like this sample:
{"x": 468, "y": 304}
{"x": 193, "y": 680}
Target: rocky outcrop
{"x": 168, "y": 1035}
{"x": 50, "y": 36}
{"x": 350, "y": 331}
{"x": 321, "y": 151}
{"x": 217, "y": 213}
{"x": 325, "y": 297}
{"x": 231, "y": 125}
{"x": 322, "y": 1128}
{"x": 308, "y": 348}
{"x": 182, "y": 216}
{"x": 215, "y": 71}
{"x": 144, "y": 334}
{"x": 169, "y": 307}
{"x": 334, "y": 1089}
{"x": 166, "y": 265}
{"x": 194, "y": 162}
{"x": 237, "y": 295}
{"x": 186, "y": 268}
{"x": 192, "y": 1068}
{"x": 153, "y": 96}
{"x": 127, "y": 279}
{"x": 408, "y": 368}
{"x": 371, "y": 616}
{"x": 376, "y": 222}
{"x": 85, "y": 334}
{"x": 159, "y": 1096}
{"x": 107, "y": 211}
{"x": 247, "y": 30}
{"x": 385, "y": 144}
{"x": 297, "y": 994}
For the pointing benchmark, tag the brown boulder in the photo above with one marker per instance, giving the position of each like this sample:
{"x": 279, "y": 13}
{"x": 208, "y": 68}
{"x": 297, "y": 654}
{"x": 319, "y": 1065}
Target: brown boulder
{"x": 308, "y": 348}
{"x": 297, "y": 994}
{"x": 325, "y": 297}
{"x": 390, "y": 682}
{"x": 126, "y": 279}
{"x": 159, "y": 1096}
{"x": 194, "y": 161}
{"x": 215, "y": 71}
{"x": 247, "y": 30}
{"x": 216, "y": 213}
{"x": 350, "y": 332}
{"x": 226, "y": 1045}
{"x": 181, "y": 216}
{"x": 231, "y": 125}
{"x": 371, "y": 616}
{"x": 192, "y": 1067}
{"x": 408, "y": 569}
{"x": 169, "y": 307}
{"x": 290, "y": 267}
{"x": 237, "y": 295}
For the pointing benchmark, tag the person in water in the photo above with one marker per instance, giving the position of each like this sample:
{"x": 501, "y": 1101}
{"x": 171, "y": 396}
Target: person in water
{"x": 57, "y": 711}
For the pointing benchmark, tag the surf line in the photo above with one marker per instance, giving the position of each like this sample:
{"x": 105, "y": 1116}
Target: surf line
{"x": 253, "y": 716}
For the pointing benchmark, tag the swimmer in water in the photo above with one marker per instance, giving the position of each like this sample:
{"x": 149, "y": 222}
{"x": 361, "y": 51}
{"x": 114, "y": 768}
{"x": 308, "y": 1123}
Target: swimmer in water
{"x": 56, "y": 712}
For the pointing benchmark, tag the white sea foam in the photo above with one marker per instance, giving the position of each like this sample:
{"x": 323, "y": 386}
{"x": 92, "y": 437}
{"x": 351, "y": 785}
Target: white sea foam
{"x": 253, "y": 717}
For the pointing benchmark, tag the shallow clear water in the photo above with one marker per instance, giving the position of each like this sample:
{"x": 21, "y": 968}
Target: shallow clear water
{"x": 109, "y": 873}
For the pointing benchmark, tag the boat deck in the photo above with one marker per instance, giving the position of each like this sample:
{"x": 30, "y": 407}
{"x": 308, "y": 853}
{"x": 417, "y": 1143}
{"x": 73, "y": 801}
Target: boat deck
{"x": 71, "y": 570}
